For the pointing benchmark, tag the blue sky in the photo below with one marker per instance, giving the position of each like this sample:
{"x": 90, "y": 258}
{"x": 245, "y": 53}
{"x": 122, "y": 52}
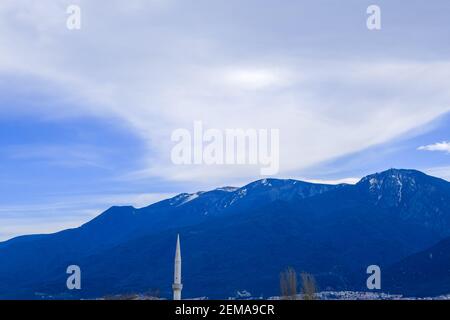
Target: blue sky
{"x": 86, "y": 115}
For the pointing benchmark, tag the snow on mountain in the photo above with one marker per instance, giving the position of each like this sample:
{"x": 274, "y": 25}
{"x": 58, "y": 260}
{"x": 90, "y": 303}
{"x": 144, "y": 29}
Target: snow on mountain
{"x": 331, "y": 231}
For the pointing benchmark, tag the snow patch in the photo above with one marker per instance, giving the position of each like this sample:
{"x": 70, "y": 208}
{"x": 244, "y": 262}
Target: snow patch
{"x": 227, "y": 189}
{"x": 185, "y": 198}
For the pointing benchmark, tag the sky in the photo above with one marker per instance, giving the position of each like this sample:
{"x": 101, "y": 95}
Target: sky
{"x": 86, "y": 116}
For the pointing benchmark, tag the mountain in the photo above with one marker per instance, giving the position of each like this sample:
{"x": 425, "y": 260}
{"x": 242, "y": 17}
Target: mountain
{"x": 238, "y": 238}
{"x": 425, "y": 272}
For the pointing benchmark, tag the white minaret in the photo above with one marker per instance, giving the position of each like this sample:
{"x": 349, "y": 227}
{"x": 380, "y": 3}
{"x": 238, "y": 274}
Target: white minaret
{"x": 177, "y": 286}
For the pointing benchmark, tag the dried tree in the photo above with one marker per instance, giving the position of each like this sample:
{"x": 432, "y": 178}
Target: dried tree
{"x": 288, "y": 284}
{"x": 309, "y": 287}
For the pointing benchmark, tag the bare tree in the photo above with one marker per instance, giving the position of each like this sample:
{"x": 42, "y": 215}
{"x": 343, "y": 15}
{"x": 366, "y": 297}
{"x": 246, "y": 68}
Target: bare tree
{"x": 309, "y": 287}
{"x": 288, "y": 284}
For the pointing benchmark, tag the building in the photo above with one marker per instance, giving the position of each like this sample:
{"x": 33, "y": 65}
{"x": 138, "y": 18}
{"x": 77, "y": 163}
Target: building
{"x": 177, "y": 285}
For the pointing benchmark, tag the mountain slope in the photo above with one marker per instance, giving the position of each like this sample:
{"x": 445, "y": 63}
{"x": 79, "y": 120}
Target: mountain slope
{"x": 425, "y": 272}
{"x": 239, "y": 238}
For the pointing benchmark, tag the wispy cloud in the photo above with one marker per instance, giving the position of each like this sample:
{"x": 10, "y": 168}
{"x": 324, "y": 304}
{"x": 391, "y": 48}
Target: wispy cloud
{"x": 60, "y": 212}
{"x": 324, "y": 107}
{"x": 441, "y": 172}
{"x": 60, "y": 155}
{"x": 439, "y": 146}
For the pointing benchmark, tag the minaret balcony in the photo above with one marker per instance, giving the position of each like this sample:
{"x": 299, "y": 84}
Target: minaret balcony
{"x": 177, "y": 286}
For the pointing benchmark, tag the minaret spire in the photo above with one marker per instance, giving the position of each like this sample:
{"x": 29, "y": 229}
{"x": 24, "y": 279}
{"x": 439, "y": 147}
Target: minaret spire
{"x": 177, "y": 286}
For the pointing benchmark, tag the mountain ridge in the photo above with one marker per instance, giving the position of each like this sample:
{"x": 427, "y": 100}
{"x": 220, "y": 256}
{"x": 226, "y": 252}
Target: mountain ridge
{"x": 332, "y": 231}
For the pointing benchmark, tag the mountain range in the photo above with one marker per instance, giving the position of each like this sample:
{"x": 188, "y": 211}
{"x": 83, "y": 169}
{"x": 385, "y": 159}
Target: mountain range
{"x": 237, "y": 239}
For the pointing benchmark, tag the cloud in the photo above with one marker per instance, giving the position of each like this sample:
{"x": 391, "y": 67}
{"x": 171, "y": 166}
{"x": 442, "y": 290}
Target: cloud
{"x": 62, "y": 212}
{"x": 441, "y": 172}
{"x": 159, "y": 67}
{"x": 70, "y": 156}
{"x": 439, "y": 146}
{"x": 13, "y": 227}
{"x": 254, "y": 79}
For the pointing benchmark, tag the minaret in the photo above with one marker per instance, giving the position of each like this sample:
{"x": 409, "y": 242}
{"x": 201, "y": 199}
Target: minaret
{"x": 177, "y": 286}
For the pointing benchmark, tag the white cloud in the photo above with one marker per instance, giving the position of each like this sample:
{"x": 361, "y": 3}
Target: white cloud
{"x": 13, "y": 227}
{"x": 155, "y": 75}
{"x": 62, "y": 212}
{"x": 439, "y": 146}
{"x": 70, "y": 156}
{"x": 73, "y": 203}
{"x": 441, "y": 172}
{"x": 254, "y": 79}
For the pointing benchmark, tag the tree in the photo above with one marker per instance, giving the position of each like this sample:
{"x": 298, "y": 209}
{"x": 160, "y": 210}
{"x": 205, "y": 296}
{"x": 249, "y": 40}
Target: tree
{"x": 288, "y": 284}
{"x": 309, "y": 287}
